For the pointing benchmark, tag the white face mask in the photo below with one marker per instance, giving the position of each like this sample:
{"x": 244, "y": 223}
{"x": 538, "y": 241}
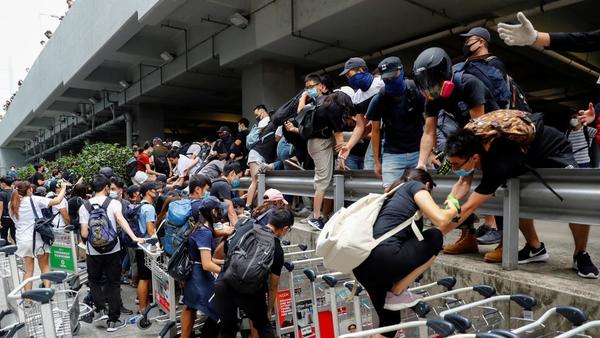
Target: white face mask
{"x": 113, "y": 194}
{"x": 574, "y": 122}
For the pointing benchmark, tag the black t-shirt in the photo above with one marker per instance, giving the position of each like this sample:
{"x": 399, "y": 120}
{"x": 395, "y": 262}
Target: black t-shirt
{"x": 266, "y": 145}
{"x": 329, "y": 118}
{"x": 73, "y": 205}
{"x": 37, "y": 177}
{"x": 470, "y": 93}
{"x": 504, "y": 159}
{"x": 241, "y": 149}
{"x": 5, "y": 196}
{"x": 220, "y": 189}
{"x": 402, "y": 122}
{"x": 397, "y": 209}
{"x": 223, "y": 145}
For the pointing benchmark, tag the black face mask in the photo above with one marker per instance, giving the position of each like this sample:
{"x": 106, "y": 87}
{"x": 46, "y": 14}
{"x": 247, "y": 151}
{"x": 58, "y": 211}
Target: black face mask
{"x": 467, "y": 49}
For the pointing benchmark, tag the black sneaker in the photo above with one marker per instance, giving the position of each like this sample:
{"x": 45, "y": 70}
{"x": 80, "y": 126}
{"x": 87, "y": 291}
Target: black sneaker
{"x": 493, "y": 236}
{"x": 316, "y": 223}
{"x": 482, "y": 230}
{"x": 529, "y": 254}
{"x": 125, "y": 311}
{"x": 115, "y": 325}
{"x": 582, "y": 263}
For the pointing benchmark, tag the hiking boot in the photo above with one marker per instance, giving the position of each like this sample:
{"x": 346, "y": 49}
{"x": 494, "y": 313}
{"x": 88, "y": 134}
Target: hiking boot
{"x": 467, "y": 243}
{"x": 316, "y": 223}
{"x": 530, "y": 254}
{"x": 113, "y": 326}
{"x": 494, "y": 256}
{"x": 402, "y": 301}
{"x": 582, "y": 263}
{"x": 492, "y": 236}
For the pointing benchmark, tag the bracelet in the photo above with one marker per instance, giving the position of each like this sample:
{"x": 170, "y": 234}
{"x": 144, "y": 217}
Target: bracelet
{"x": 454, "y": 202}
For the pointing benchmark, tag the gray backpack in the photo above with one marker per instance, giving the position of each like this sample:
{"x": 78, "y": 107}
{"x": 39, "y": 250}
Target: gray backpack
{"x": 249, "y": 261}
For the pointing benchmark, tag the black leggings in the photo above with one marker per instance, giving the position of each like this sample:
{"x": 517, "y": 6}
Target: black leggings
{"x": 8, "y": 226}
{"x": 388, "y": 264}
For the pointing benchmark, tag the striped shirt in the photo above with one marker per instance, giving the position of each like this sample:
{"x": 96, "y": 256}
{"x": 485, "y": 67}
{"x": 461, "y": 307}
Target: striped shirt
{"x": 580, "y": 144}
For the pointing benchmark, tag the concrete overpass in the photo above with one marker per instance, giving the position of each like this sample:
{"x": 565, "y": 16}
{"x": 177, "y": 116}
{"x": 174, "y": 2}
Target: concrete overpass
{"x": 124, "y": 71}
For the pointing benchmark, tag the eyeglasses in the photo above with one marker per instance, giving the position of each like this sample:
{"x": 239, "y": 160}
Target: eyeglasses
{"x": 289, "y": 229}
{"x": 311, "y": 86}
{"x": 458, "y": 166}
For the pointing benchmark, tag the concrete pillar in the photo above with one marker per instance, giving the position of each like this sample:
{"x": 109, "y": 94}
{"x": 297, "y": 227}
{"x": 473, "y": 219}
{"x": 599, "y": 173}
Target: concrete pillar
{"x": 128, "y": 129}
{"x": 269, "y": 83}
{"x": 149, "y": 122}
{"x": 10, "y": 157}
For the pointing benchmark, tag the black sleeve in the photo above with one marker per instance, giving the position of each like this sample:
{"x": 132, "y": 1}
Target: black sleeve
{"x": 221, "y": 191}
{"x": 277, "y": 259}
{"x": 432, "y": 108}
{"x": 576, "y": 41}
{"x": 373, "y": 112}
{"x": 473, "y": 91}
{"x": 502, "y": 162}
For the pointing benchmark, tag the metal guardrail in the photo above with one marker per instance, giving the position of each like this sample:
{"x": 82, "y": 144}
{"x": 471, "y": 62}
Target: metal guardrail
{"x": 522, "y": 197}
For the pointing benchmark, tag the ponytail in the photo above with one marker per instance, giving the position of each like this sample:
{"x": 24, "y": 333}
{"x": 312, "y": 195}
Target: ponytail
{"x": 15, "y": 202}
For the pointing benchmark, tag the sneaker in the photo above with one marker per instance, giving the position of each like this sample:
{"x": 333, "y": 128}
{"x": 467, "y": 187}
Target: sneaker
{"x": 494, "y": 256}
{"x": 100, "y": 315}
{"x": 304, "y": 212}
{"x": 125, "y": 311}
{"x": 115, "y": 325}
{"x": 292, "y": 164}
{"x": 405, "y": 300}
{"x": 467, "y": 243}
{"x": 124, "y": 280}
{"x": 493, "y": 236}
{"x": 529, "y": 254}
{"x": 582, "y": 263}
{"x": 316, "y": 223}
{"x": 482, "y": 230}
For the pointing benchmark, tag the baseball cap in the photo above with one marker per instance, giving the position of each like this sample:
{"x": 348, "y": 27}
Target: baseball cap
{"x": 353, "y": 63}
{"x": 211, "y": 202}
{"x": 176, "y": 144}
{"x": 273, "y": 195}
{"x": 238, "y": 202}
{"x": 147, "y": 186}
{"x": 389, "y": 66}
{"x": 223, "y": 129}
{"x": 40, "y": 191}
{"x": 156, "y": 140}
{"x": 140, "y": 178}
{"x": 480, "y": 32}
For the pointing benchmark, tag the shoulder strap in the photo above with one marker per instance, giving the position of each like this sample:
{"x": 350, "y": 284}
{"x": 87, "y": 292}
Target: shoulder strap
{"x": 399, "y": 227}
{"x": 35, "y": 214}
{"x": 106, "y": 203}
{"x": 88, "y": 206}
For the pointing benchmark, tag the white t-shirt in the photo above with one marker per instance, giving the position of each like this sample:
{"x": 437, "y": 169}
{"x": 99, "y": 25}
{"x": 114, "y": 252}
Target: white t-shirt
{"x": 360, "y": 95}
{"x": 182, "y": 164}
{"x": 58, "y": 220}
{"x": 84, "y": 216}
{"x": 24, "y": 225}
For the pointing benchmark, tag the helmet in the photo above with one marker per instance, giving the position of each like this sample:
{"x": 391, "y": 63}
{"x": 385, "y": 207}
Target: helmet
{"x": 431, "y": 69}
{"x": 106, "y": 172}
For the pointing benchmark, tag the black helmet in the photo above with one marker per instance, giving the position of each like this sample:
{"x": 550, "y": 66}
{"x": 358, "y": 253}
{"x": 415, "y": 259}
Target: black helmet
{"x": 106, "y": 172}
{"x": 431, "y": 68}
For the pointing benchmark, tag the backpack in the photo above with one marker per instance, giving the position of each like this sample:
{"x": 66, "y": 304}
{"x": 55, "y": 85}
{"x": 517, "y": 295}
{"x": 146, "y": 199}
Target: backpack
{"x": 259, "y": 135}
{"x": 184, "y": 149}
{"x": 43, "y": 226}
{"x": 180, "y": 263}
{"x": 132, "y": 215}
{"x": 161, "y": 165}
{"x": 102, "y": 236}
{"x": 514, "y": 125}
{"x": 347, "y": 238}
{"x": 492, "y": 78}
{"x": 306, "y": 120}
{"x": 250, "y": 260}
{"x": 177, "y": 225}
{"x": 446, "y": 126}
{"x": 179, "y": 212}
{"x": 131, "y": 166}
{"x": 287, "y": 110}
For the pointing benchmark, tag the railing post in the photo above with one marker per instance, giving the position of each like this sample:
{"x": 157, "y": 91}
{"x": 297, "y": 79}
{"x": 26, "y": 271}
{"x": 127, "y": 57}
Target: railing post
{"x": 510, "y": 233}
{"x": 260, "y": 189}
{"x": 338, "y": 192}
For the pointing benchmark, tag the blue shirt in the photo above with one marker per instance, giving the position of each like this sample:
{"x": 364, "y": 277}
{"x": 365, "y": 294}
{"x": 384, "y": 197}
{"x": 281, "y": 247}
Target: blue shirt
{"x": 201, "y": 239}
{"x": 147, "y": 214}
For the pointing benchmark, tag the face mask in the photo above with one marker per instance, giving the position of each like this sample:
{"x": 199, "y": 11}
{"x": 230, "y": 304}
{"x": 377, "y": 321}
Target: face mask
{"x": 113, "y": 194}
{"x": 206, "y": 194}
{"x": 574, "y": 122}
{"x": 395, "y": 87}
{"x": 312, "y": 92}
{"x": 462, "y": 172}
{"x": 361, "y": 81}
{"x": 235, "y": 183}
{"x": 239, "y": 129}
{"x": 467, "y": 49}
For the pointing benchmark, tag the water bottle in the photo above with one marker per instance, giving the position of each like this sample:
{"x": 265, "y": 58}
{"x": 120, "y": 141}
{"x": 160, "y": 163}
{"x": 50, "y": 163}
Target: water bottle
{"x": 133, "y": 319}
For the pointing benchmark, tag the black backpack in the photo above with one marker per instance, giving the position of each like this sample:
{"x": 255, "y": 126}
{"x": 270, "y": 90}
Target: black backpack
{"x": 161, "y": 165}
{"x": 131, "y": 166}
{"x": 306, "y": 120}
{"x": 43, "y": 226}
{"x": 180, "y": 263}
{"x": 249, "y": 261}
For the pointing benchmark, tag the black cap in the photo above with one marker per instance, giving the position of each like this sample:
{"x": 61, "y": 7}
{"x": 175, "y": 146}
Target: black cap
{"x": 353, "y": 63}
{"x": 147, "y": 186}
{"x": 52, "y": 186}
{"x": 238, "y": 202}
{"x": 389, "y": 66}
{"x": 132, "y": 189}
{"x": 223, "y": 129}
{"x": 211, "y": 202}
{"x": 7, "y": 180}
{"x": 480, "y": 32}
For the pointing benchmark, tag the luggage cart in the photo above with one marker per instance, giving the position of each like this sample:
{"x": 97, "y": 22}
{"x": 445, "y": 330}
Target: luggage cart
{"x": 537, "y": 329}
{"x": 298, "y": 255}
{"x": 49, "y": 312}
{"x": 485, "y": 317}
{"x": 441, "y": 328}
{"x": 420, "y": 310}
{"x": 578, "y": 331}
{"x": 11, "y": 330}
{"x": 451, "y": 300}
{"x": 163, "y": 292}
{"x": 9, "y": 278}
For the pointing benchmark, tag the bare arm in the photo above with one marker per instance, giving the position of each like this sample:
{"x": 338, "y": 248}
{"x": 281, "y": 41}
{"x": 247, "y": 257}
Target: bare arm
{"x": 56, "y": 200}
{"x": 477, "y": 111}
{"x": 302, "y": 101}
{"x": 207, "y": 262}
{"x": 195, "y": 160}
{"x": 64, "y": 213}
{"x": 150, "y": 171}
{"x": 473, "y": 202}
{"x": 376, "y": 143}
{"x": 357, "y": 134}
{"x": 233, "y": 219}
{"x": 150, "y": 228}
{"x": 542, "y": 40}
{"x": 1, "y": 210}
{"x": 462, "y": 187}
{"x": 124, "y": 225}
{"x": 427, "y": 141}
{"x": 442, "y": 218}
{"x": 273, "y": 285}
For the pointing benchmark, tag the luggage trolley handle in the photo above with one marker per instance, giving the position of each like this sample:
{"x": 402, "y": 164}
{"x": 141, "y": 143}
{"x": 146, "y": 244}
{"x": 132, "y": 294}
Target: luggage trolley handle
{"x": 53, "y": 276}
{"x": 356, "y": 301}
{"x": 9, "y": 252}
{"x": 524, "y": 301}
{"x": 312, "y": 276}
{"x": 580, "y": 329}
{"x": 149, "y": 242}
{"x": 498, "y": 334}
{"x": 574, "y": 315}
{"x": 440, "y": 327}
{"x": 447, "y": 282}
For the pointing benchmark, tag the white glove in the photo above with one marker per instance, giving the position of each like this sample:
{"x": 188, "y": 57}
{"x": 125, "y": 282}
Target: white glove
{"x": 522, "y": 34}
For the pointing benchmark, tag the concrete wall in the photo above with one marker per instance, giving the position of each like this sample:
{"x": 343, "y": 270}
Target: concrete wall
{"x": 10, "y": 157}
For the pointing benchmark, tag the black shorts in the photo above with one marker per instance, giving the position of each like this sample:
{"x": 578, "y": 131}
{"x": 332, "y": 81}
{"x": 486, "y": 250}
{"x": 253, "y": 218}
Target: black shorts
{"x": 143, "y": 272}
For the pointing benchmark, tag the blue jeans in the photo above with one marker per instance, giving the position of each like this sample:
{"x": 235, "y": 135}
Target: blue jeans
{"x": 354, "y": 162}
{"x": 369, "y": 163}
{"x": 393, "y": 166}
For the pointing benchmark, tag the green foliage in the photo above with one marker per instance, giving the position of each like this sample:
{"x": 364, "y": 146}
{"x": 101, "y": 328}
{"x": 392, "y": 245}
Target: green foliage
{"x": 25, "y": 173}
{"x": 87, "y": 163}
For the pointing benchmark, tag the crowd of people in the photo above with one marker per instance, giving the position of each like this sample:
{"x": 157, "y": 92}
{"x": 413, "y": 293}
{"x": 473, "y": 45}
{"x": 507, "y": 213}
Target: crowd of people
{"x": 381, "y": 121}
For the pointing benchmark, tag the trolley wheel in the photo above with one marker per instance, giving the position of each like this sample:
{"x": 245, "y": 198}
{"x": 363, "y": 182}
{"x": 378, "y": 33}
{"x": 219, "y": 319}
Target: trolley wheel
{"x": 143, "y": 323}
{"x": 76, "y": 329}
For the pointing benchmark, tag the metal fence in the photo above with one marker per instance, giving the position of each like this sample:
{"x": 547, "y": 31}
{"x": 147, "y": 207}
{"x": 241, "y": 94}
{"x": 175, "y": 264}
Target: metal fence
{"x": 524, "y": 196}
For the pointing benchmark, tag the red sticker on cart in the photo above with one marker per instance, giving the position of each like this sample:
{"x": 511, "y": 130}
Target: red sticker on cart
{"x": 284, "y": 304}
